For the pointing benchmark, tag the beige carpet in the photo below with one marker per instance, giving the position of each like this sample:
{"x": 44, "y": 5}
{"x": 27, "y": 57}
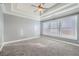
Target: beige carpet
{"x": 44, "y": 46}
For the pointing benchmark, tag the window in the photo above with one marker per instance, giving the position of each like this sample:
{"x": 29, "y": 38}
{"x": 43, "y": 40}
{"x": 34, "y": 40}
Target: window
{"x": 54, "y": 28}
{"x": 64, "y": 27}
{"x": 50, "y": 28}
{"x": 68, "y": 27}
{"x": 46, "y": 29}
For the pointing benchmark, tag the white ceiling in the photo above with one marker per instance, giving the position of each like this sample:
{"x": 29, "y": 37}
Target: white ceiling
{"x": 27, "y": 10}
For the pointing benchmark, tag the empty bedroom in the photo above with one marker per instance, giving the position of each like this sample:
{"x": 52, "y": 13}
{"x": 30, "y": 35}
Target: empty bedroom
{"x": 39, "y": 29}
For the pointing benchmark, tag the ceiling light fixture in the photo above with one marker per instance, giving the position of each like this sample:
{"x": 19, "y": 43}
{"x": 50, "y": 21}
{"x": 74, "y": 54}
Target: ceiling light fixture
{"x": 40, "y": 7}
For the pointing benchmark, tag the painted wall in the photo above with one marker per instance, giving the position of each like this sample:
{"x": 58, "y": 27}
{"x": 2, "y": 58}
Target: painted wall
{"x": 17, "y": 28}
{"x": 78, "y": 27}
{"x": 1, "y": 27}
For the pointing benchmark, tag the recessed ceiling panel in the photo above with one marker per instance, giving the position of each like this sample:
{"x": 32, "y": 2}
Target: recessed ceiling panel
{"x": 27, "y": 10}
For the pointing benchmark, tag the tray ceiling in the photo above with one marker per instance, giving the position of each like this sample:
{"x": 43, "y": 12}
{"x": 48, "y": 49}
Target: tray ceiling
{"x": 27, "y": 10}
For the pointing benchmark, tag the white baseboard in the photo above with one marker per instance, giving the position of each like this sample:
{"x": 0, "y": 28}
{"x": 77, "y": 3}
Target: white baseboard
{"x": 1, "y": 47}
{"x": 75, "y": 44}
{"x": 21, "y": 40}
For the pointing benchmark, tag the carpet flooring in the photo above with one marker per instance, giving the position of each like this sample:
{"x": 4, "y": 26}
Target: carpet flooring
{"x": 44, "y": 46}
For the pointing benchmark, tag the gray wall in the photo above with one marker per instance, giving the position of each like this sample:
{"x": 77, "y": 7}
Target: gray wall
{"x": 1, "y": 26}
{"x": 18, "y": 28}
{"x": 78, "y": 27}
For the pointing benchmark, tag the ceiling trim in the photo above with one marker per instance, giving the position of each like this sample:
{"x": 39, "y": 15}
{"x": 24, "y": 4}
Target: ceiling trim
{"x": 18, "y": 10}
{"x": 16, "y": 14}
{"x": 56, "y": 10}
{"x": 60, "y": 12}
{"x": 20, "y": 16}
{"x": 3, "y": 8}
{"x": 46, "y": 15}
{"x": 50, "y": 8}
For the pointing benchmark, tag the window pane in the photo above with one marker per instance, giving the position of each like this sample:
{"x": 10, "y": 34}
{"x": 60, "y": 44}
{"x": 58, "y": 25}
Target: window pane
{"x": 68, "y": 27}
{"x": 51, "y": 28}
{"x": 54, "y": 31}
{"x": 46, "y": 28}
{"x": 64, "y": 27}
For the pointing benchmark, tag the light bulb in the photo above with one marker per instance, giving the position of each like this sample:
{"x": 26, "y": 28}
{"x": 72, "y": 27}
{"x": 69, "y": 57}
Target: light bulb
{"x": 40, "y": 9}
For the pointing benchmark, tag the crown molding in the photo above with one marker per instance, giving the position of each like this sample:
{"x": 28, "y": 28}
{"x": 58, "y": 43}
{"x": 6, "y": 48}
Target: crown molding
{"x": 56, "y": 10}
{"x": 14, "y": 12}
{"x": 47, "y": 16}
